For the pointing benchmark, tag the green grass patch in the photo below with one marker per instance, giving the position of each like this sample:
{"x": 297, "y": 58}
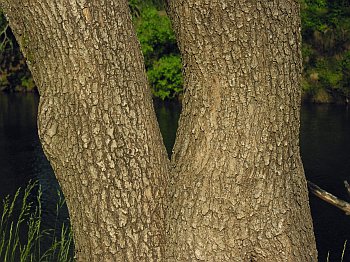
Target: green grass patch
{"x": 22, "y": 234}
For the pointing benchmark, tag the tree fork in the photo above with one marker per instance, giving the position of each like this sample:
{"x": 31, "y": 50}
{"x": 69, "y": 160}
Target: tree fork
{"x": 237, "y": 189}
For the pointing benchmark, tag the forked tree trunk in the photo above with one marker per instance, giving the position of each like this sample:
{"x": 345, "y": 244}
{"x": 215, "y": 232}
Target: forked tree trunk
{"x": 238, "y": 190}
{"x": 97, "y": 124}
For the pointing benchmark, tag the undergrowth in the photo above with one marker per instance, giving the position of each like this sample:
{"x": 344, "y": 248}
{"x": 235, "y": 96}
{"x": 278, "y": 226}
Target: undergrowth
{"x": 22, "y": 235}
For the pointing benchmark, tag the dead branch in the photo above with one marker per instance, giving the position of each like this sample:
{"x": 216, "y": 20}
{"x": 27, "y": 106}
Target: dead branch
{"x": 328, "y": 197}
{"x": 347, "y": 186}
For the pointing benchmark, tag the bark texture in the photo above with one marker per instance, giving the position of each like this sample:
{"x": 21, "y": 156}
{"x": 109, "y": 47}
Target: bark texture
{"x": 97, "y": 123}
{"x": 238, "y": 190}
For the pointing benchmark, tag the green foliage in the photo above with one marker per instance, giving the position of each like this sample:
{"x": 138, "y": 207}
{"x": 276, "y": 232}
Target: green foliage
{"x": 155, "y": 35}
{"x": 330, "y": 78}
{"x": 326, "y": 24}
{"x": 312, "y": 13}
{"x": 14, "y": 74}
{"x": 329, "y": 73}
{"x": 27, "y": 83}
{"x": 326, "y": 47}
{"x": 166, "y": 78}
{"x": 306, "y": 87}
{"x": 162, "y": 59}
{"x": 6, "y": 41}
{"x": 14, "y": 247}
{"x": 320, "y": 14}
{"x": 135, "y": 7}
{"x": 326, "y": 42}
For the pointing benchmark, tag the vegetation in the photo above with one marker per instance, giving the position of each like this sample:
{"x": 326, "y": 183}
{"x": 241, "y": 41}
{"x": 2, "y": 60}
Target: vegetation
{"x": 14, "y": 73}
{"x": 165, "y": 77}
{"x": 162, "y": 58}
{"x": 326, "y": 51}
{"x": 22, "y": 236}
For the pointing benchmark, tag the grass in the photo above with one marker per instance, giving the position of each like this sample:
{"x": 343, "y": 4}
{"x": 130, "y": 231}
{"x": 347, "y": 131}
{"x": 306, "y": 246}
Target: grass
{"x": 342, "y": 254}
{"x": 20, "y": 214}
{"x": 22, "y": 234}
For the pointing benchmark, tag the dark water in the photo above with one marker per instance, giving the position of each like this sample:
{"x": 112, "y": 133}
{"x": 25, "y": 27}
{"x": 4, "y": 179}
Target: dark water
{"x": 168, "y": 114}
{"x": 22, "y": 158}
{"x": 325, "y": 148}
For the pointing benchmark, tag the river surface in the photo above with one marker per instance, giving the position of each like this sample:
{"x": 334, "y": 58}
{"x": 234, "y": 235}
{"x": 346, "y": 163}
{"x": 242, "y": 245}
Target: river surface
{"x": 325, "y": 150}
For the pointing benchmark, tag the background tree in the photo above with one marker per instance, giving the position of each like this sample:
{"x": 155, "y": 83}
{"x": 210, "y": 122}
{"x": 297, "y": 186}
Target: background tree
{"x": 237, "y": 189}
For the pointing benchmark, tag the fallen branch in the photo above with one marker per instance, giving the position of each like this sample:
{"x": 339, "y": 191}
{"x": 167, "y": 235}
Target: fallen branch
{"x": 328, "y": 197}
{"x": 347, "y": 186}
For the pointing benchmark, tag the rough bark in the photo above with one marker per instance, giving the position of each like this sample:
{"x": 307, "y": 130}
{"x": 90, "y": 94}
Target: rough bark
{"x": 238, "y": 191}
{"x": 97, "y": 124}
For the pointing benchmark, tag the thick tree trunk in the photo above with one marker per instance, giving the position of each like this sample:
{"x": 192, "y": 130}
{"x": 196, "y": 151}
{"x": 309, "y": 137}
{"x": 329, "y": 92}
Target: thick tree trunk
{"x": 238, "y": 190}
{"x": 97, "y": 124}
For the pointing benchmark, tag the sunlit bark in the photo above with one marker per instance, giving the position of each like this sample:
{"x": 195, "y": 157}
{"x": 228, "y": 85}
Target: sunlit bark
{"x": 238, "y": 190}
{"x": 97, "y": 124}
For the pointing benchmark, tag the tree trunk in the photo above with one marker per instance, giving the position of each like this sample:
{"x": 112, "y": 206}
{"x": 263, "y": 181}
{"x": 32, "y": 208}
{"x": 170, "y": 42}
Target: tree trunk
{"x": 97, "y": 124}
{"x": 238, "y": 189}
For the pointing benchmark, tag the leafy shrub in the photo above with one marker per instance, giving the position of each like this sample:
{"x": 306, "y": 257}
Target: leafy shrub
{"x": 27, "y": 83}
{"x": 165, "y": 77}
{"x": 331, "y": 79}
{"x": 329, "y": 72}
{"x": 155, "y": 35}
{"x": 162, "y": 59}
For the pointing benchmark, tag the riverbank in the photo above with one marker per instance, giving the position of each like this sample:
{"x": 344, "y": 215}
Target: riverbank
{"x": 322, "y": 96}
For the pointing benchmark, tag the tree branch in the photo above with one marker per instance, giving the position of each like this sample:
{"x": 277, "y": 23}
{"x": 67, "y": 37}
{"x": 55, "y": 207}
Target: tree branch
{"x": 347, "y": 186}
{"x": 328, "y": 197}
